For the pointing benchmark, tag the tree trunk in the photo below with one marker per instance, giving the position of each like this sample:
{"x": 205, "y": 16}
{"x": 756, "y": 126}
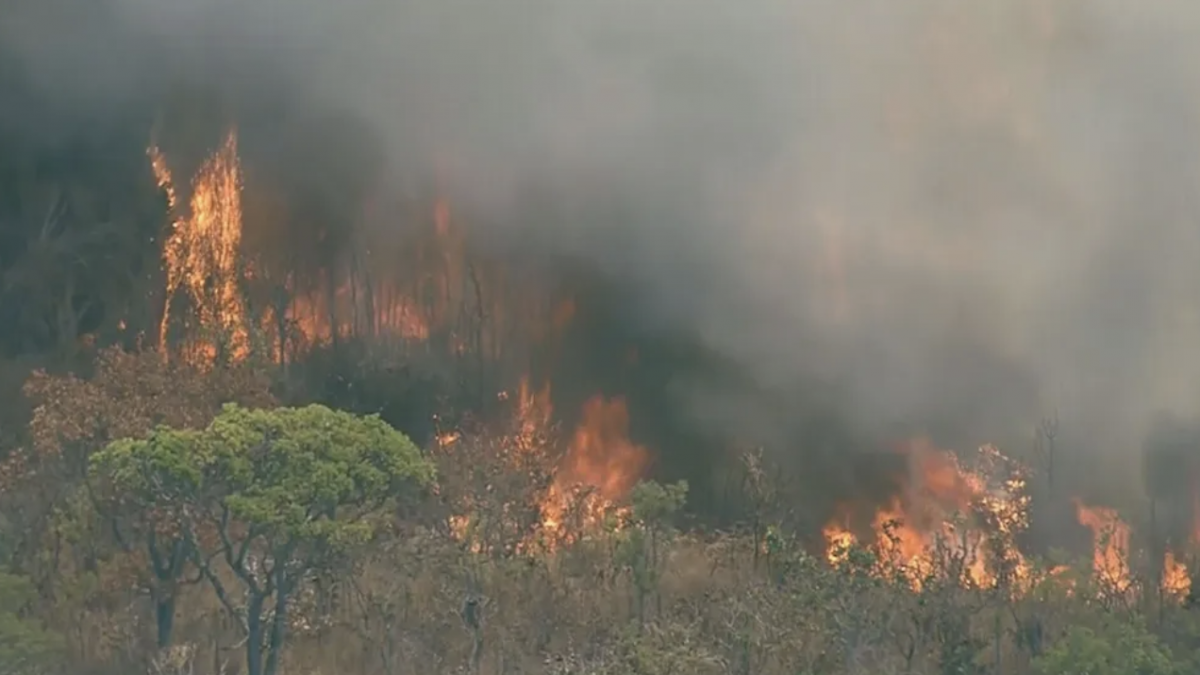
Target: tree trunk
{"x": 278, "y": 629}
{"x": 254, "y": 635}
{"x": 164, "y": 616}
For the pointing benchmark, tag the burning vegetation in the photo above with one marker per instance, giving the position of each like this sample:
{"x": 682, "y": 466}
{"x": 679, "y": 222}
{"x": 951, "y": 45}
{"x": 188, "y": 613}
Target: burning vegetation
{"x": 207, "y": 271}
{"x": 732, "y": 373}
{"x": 966, "y": 517}
{"x": 552, "y": 496}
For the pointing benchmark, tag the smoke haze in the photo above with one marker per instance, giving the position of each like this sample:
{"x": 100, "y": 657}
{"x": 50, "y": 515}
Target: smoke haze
{"x": 955, "y": 214}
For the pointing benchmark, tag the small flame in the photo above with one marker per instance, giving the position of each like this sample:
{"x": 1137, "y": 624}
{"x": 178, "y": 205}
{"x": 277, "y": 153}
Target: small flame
{"x": 534, "y": 412}
{"x": 1110, "y": 545}
{"x": 1175, "y": 579}
{"x": 838, "y": 542}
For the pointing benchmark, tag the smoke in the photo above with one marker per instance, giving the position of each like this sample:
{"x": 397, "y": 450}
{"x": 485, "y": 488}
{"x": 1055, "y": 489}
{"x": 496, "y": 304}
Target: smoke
{"x": 951, "y": 217}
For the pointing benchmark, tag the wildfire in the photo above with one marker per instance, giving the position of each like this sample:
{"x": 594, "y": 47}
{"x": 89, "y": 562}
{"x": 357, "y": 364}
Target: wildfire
{"x": 1111, "y": 550}
{"x": 317, "y": 316}
{"x": 459, "y": 300}
{"x": 534, "y": 413}
{"x": 1110, "y": 545}
{"x": 202, "y": 252}
{"x": 598, "y": 469}
{"x": 1175, "y": 580}
{"x": 948, "y": 520}
{"x": 600, "y": 462}
{"x": 205, "y": 266}
{"x": 601, "y": 459}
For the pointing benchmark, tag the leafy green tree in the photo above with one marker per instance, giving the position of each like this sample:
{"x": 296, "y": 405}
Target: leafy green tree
{"x": 1118, "y": 648}
{"x": 276, "y": 495}
{"x": 145, "y": 512}
{"x": 126, "y": 395}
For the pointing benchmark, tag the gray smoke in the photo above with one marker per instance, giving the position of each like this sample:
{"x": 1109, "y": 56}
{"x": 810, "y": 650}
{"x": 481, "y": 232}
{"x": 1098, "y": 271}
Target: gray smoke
{"x": 944, "y": 208}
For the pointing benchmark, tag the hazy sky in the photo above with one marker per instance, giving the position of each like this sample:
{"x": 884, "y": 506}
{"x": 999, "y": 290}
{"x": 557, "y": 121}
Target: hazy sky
{"x": 939, "y": 203}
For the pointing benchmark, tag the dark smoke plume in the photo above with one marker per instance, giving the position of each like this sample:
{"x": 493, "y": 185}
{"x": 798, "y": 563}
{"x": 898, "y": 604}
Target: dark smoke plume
{"x": 880, "y": 218}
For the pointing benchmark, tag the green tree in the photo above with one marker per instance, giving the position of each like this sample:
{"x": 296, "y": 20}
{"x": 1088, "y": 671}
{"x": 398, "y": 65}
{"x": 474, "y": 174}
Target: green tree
{"x": 1118, "y": 648}
{"x": 143, "y": 503}
{"x": 26, "y": 647}
{"x": 126, "y": 395}
{"x": 276, "y": 495}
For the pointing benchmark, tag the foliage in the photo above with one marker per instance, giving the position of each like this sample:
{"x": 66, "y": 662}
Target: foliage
{"x": 276, "y": 494}
{"x": 1116, "y": 648}
{"x": 293, "y": 540}
{"x": 26, "y": 647}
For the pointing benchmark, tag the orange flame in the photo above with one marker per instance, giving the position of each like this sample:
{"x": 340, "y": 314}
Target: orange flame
{"x": 946, "y": 518}
{"x": 201, "y": 253}
{"x": 1110, "y": 545}
{"x": 598, "y": 469}
{"x": 601, "y": 454}
{"x": 1175, "y": 579}
{"x": 600, "y": 460}
{"x": 534, "y": 412}
{"x": 203, "y": 262}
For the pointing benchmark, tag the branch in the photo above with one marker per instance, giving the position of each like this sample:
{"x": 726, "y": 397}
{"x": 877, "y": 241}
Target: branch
{"x": 113, "y": 521}
{"x": 206, "y": 572}
{"x": 236, "y": 563}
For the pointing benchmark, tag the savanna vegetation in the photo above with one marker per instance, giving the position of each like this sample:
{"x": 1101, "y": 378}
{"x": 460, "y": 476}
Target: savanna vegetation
{"x": 168, "y": 518}
{"x": 216, "y": 458}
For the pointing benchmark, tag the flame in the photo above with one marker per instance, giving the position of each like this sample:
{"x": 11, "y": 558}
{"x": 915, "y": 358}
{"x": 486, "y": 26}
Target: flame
{"x": 312, "y": 315}
{"x": 1175, "y": 579}
{"x": 202, "y": 258}
{"x": 601, "y": 454}
{"x": 534, "y": 413}
{"x": 421, "y": 292}
{"x": 201, "y": 254}
{"x": 1110, "y": 545}
{"x": 597, "y": 471}
{"x": 838, "y": 542}
{"x": 946, "y": 519}
{"x": 600, "y": 459}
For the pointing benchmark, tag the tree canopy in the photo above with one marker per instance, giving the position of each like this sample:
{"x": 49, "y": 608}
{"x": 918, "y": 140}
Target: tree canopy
{"x": 274, "y": 494}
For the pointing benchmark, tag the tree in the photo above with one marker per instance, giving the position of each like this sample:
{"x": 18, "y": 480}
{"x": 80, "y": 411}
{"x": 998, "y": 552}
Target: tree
{"x": 643, "y": 547}
{"x": 127, "y": 395}
{"x": 25, "y": 646}
{"x": 1119, "y": 648}
{"x": 144, "y": 514}
{"x": 275, "y": 494}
